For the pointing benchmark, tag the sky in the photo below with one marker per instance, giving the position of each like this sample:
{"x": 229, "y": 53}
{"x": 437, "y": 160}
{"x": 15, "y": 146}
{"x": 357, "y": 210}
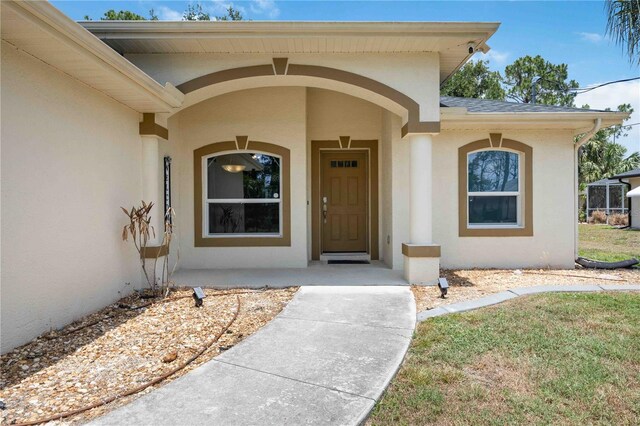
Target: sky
{"x": 571, "y": 32}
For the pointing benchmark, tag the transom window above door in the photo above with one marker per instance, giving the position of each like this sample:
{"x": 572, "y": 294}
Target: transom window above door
{"x": 242, "y": 194}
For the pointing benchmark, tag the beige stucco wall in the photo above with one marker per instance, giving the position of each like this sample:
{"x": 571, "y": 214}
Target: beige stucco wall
{"x": 273, "y": 115}
{"x": 70, "y": 159}
{"x": 553, "y": 216}
{"x": 417, "y": 75}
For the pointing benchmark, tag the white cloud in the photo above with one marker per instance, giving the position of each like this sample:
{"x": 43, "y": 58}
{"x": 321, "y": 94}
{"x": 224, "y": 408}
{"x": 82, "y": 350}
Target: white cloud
{"x": 265, "y": 7}
{"x": 591, "y": 37}
{"x": 496, "y": 57}
{"x": 167, "y": 14}
{"x": 610, "y": 97}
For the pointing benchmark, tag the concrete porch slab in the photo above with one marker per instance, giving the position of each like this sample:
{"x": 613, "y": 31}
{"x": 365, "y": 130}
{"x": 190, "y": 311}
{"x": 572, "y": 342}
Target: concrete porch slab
{"x": 375, "y": 274}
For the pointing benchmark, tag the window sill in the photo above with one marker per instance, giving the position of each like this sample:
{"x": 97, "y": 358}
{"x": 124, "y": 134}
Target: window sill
{"x": 243, "y": 241}
{"x": 497, "y": 231}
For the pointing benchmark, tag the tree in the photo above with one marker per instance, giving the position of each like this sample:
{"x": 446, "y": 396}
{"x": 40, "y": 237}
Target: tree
{"x": 552, "y": 87}
{"x": 475, "y": 80}
{"x": 602, "y": 157}
{"x": 194, "y": 12}
{"x": 623, "y": 24}
{"x": 232, "y": 15}
{"x": 123, "y": 15}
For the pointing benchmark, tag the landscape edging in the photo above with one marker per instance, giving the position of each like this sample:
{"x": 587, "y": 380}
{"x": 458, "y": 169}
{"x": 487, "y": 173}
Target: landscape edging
{"x": 496, "y": 298}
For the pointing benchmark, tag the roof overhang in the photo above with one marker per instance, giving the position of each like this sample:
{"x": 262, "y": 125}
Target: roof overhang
{"x": 578, "y": 122}
{"x": 450, "y": 39}
{"x": 634, "y": 192}
{"x": 45, "y": 33}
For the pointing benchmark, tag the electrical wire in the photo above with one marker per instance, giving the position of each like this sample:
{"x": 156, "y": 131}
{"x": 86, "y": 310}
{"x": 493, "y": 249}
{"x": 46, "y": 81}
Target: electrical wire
{"x": 581, "y": 90}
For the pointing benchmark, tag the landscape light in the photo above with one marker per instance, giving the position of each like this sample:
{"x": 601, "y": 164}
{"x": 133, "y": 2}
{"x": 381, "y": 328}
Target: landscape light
{"x": 444, "y": 286}
{"x": 198, "y": 296}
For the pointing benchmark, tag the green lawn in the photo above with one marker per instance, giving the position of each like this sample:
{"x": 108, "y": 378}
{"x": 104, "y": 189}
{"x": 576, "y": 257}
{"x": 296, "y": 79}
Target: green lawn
{"x": 547, "y": 359}
{"x": 603, "y": 242}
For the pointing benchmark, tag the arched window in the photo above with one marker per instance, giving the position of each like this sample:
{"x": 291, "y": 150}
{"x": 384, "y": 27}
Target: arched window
{"x": 495, "y": 189}
{"x": 242, "y": 195}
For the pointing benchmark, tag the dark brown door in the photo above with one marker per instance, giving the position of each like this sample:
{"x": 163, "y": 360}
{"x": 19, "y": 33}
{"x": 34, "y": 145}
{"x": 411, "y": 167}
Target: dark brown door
{"x": 344, "y": 201}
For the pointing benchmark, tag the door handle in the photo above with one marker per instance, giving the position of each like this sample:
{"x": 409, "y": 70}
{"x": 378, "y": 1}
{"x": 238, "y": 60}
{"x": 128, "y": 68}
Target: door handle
{"x": 324, "y": 209}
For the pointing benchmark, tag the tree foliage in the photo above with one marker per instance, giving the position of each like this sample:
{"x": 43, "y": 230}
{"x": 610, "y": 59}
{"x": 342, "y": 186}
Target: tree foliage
{"x": 552, "y": 87}
{"x": 602, "y": 157}
{"x": 623, "y": 24}
{"x": 475, "y": 80}
{"x": 232, "y": 15}
{"x": 123, "y": 15}
{"x": 195, "y": 12}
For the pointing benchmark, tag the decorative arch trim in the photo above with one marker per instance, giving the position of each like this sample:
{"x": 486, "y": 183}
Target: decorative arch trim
{"x": 280, "y": 66}
{"x": 498, "y": 143}
{"x": 269, "y": 148}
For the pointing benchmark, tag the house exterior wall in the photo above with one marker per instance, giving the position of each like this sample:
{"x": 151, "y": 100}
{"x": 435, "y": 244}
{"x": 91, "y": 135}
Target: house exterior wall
{"x": 635, "y": 205}
{"x": 62, "y": 253}
{"x": 272, "y": 115}
{"x": 553, "y": 218}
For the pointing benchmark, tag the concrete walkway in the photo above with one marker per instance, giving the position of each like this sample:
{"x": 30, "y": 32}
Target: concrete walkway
{"x": 325, "y": 359}
{"x": 496, "y": 298}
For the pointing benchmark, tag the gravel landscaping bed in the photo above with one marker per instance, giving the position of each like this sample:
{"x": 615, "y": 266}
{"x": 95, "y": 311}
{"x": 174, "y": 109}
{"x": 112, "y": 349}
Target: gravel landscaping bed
{"x": 475, "y": 283}
{"x": 124, "y": 346}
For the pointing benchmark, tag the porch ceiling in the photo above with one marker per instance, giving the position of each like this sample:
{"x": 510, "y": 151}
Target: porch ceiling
{"x": 450, "y": 39}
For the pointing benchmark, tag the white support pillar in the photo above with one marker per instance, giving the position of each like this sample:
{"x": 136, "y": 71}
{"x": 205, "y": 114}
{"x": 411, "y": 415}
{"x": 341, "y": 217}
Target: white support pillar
{"x": 421, "y": 256}
{"x": 421, "y": 189}
{"x": 151, "y": 185}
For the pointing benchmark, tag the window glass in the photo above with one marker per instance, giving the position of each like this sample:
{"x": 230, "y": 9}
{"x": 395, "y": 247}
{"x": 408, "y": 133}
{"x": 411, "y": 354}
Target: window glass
{"x": 493, "y": 209}
{"x": 493, "y": 171}
{"x": 243, "y": 194}
{"x": 244, "y": 218}
{"x": 255, "y": 176}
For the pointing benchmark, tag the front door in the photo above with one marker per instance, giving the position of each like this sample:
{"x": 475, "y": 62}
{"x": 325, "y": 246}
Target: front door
{"x": 344, "y": 201}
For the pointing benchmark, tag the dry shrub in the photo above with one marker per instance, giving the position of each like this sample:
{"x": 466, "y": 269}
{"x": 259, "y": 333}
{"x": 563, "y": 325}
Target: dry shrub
{"x": 619, "y": 219}
{"x": 598, "y": 216}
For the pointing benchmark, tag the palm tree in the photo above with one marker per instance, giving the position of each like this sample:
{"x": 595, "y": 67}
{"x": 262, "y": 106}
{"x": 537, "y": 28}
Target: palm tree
{"x": 623, "y": 24}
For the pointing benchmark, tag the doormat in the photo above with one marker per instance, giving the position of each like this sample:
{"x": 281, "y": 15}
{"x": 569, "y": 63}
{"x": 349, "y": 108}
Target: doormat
{"x": 348, "y": 262}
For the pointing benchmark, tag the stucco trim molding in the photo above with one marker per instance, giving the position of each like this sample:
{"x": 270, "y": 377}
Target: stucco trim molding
{"x": 151, "y": 252}
{"x": 285, "y": 239}
{"x": 280, "y": 66}
{"x": 524, "y": 231}
{"x": 149, "y": 127}
{"x": 420, "y": 250}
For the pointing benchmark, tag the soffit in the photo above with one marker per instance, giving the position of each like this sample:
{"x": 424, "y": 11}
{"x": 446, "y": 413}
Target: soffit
{"x": 43, "y": 32}
{"x": 449, "y": 39}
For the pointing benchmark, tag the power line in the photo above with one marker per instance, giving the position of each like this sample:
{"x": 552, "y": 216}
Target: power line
{"x": 581, "y": 90}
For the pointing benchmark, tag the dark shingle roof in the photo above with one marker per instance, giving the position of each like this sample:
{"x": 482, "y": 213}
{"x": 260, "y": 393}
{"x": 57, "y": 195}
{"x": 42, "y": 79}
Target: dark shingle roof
{"x": 629, "y": 174}
{"x": 487, "y": 105}
{"x": 603, "y": 182}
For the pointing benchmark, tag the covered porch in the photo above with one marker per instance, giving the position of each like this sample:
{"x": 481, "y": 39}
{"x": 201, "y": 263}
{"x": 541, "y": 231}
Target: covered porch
{"x": 316, "y": 274}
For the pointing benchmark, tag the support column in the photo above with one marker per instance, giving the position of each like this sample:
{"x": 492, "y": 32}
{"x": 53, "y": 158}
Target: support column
{"x": 151, "y": 185}
{"x": 421, "y": 256}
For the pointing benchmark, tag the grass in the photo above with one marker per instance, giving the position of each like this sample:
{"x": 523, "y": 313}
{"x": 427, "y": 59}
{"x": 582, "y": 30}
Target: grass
{"x": 608, "y": 244}
{"x": 547, "y": 359}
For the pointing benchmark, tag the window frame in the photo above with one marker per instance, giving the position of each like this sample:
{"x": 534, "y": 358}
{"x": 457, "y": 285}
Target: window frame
{"x": 200, "y": 197}
{"x": 207, "y": 201}
{"x": 517, "y": 194}
{"x": 524, "y": 228}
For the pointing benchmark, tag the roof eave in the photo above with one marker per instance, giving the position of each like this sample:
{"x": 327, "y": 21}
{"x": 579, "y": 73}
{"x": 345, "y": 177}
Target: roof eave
{"x": 70, "y": 33}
